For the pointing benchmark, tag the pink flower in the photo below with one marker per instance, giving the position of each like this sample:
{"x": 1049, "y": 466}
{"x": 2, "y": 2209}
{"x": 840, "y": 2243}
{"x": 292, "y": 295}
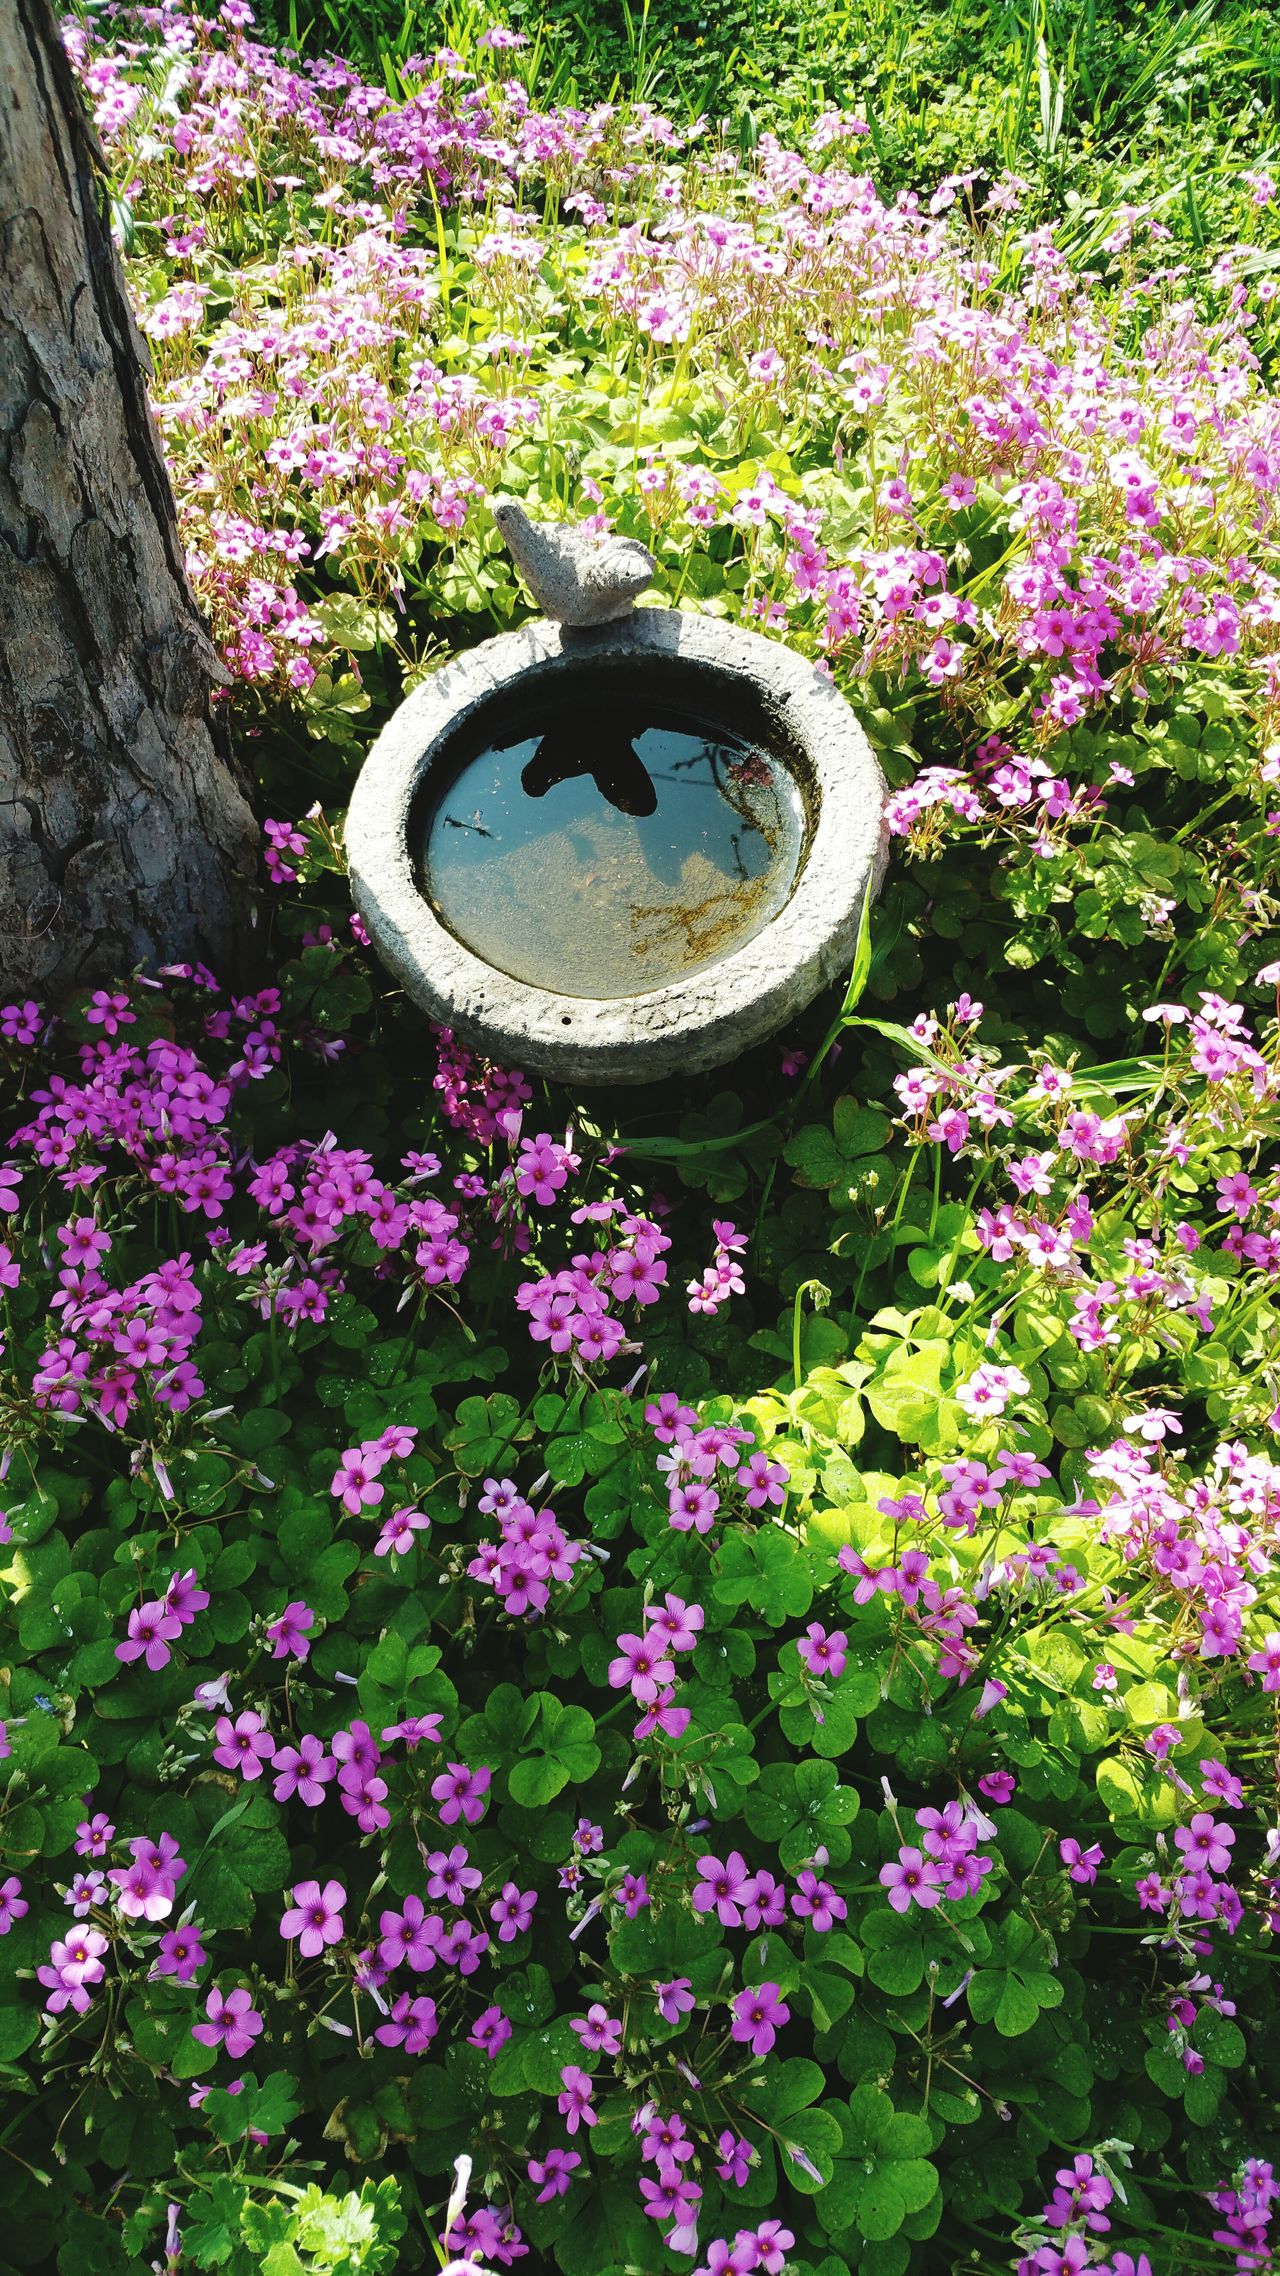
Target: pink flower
{"x": 553, "y": 2174}
{"x": 12, "y": 1903}
{"x": 234, "y": 2022}
{"x": 823, "y": 1654}
{"x": 355, "y": 1481}
{"x": 461, "y": 1793}
{"x": 315, "y": 1916}
{"x": 288, "y": 1635}
{"x": 512, "y": 1911}
{"x": 723, "y": 1888}
{"x": 412, "y": 2024}
{"x": 641, "y": 1665}
{"x": 816, "y": 1901}
{"x": 152, "y": 1629}
{"x": 1081, "y": 1864}
{"x": 244, "y": 1744}
{"x": 675, "y": 1999}
{"x": 599, "y": 2034}
{"x": 914, "y": 1879}
{"x": 758, "y": 2016}
{"x": 574, "y": 2104}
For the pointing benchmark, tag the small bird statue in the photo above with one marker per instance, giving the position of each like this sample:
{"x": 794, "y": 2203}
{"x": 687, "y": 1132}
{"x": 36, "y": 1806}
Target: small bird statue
{"x": 575, "y": 577}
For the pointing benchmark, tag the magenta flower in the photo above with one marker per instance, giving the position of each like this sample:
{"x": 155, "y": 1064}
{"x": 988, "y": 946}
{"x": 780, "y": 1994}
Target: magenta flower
{"x": 181, "y": 1954}
{"x": 632, "y": 1894}
{"x": 574, "y": 2104}
{"x": 1206, "y": 1843}
{"x": 599, "y": 2033}
{"x": 94, "y": 1836}
{"x": 411, "y": 1937}
{"x": 641, "y": 1664}
{"x": 816, "y": 1901}
{"x": 823, "y": 1654}
{"x": 12, "y": 1903}
{"x": 288, "y": 1635}
{"x": 552, "y": 2174}
{"x": 415, "y": 1731}
{"x": 758, "y": 2016}
{"x": 675, "y": 1999}
{"x": 733, "y": 2159}
{"x": 355, "y": 1481}
{"x": 512, "y": 1911}
{"x": 234, "y": 2022}
{"x": 723, "y": 1889}
{"x": 998, "y": 1786}
{"x": 244, "y": 1745}
{"x": 913, "y": 1879}
{"x": 765, "y": 1481}
{"x": 1266, "y": 1662}
{"x": 1081, "y": 1864}
{"x": 489, "y": 2032}
{"x": 304, "y": 1770}
{"x": 74, "y": 1967}
{"x": 315, "y": 1916}
{"x": 461, "y": 1793}
{"x": 153, "y": 1628}
{"x": 141, "y": 1892}
{"x": 412, "y": 2024}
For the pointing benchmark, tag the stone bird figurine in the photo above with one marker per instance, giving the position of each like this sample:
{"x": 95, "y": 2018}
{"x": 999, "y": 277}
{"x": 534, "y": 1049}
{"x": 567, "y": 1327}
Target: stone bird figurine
{"x": 575, "y": 577}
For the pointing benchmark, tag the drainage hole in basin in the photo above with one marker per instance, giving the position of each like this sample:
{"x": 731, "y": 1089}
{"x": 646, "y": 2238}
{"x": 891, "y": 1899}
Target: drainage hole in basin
{"x": 565, "y": 1020}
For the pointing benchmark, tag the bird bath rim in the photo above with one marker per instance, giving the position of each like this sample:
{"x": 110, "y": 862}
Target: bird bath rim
{"x": 692, "y": 1023}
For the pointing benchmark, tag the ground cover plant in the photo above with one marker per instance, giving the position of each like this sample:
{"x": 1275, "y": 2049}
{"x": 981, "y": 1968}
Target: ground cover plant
{"x": 722, "y": 1667}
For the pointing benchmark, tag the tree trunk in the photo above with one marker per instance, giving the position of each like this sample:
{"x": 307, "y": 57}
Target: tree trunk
{"x": 125, "y": 837}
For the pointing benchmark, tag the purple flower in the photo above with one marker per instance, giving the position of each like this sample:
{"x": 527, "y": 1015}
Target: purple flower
{"x": 12, "y": 1903}
{"x": 758, "y": 2016}
{"x": 304, "y": 1770}
{"x": 816, "y": 1901}
{"x": 823, "y": 1654}
{"x": 1081, "y": 1864}
{"x": 94, "y": 1836}
{"x": 415, "y": 1731}
{"x": 181, "y": 1954}
{"x": 412, "y": 2024}
{"x": 675, "y": 1999}
{"x": 449, "y": 1875}
{"x": 632, "y": 1893}
{"x": 243, "y": 1745}
{"x": 152, "y": 1629}
{"x": 141, "y": 1892}
{"x": 512, "y": 1911}
{"x": 764, "y": 1902}
{"x": 489, "y": 2032}
{"x": 234, "y": 2022}
{"x": 552, "y": 2174}
{"x": 723, "y": 1888}
{"x": 914, "y": 1879}
{"x": 733, "y": 2161}
{"x": 288, "y": 1636}
{"x": 411, "y": 1936}
{"x": 315, "y": 1916}
{"x": 642, "y": 1665}
{"x": 355, "y": 1481}
{"x": 998, "y": 1786}
{"x": 765, "y": 1481}
{"x": 74, "y": 1965}
{"x": 599, "y": 2033}
{"x": 574, "y": 2104}
{"x": 461, "y": 1793}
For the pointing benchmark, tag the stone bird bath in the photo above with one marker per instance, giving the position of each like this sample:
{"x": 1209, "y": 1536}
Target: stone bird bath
{"x": 618, "y": 844}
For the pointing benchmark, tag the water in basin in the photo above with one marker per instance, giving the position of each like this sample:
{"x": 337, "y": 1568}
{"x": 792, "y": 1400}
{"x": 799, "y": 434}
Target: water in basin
{"x": 619, "y": 849}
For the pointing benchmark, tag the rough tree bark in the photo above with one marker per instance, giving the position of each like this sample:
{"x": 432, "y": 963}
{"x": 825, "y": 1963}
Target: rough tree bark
{"x": 125, "y": 837}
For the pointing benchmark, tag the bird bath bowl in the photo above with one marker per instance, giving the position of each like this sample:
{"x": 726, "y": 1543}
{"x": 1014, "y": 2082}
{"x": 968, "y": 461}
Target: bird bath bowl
{"x": 618, "y": 852}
